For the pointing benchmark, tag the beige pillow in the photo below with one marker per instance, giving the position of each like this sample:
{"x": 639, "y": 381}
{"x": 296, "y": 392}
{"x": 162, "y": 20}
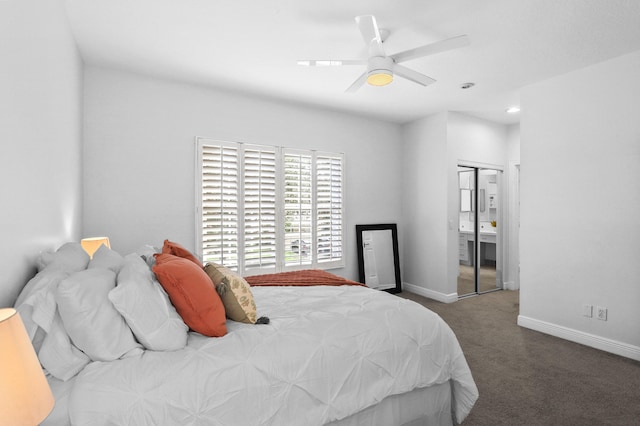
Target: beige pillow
{"x": 235, "y": 293}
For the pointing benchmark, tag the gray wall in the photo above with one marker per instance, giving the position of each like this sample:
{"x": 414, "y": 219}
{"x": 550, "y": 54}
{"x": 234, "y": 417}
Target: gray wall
{"x": 40, "y": 137}
{"x": 580, "y": 197}
{"x": 139, "y": 155}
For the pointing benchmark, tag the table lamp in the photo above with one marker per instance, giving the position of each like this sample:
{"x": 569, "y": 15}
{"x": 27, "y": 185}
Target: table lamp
{"x": 25, "y": 396}
{"x": 91, "y": 245}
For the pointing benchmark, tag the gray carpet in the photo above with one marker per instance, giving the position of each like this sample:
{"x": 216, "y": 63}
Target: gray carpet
{"x": 528, "y": 378}
{"x": 466, "y": 282}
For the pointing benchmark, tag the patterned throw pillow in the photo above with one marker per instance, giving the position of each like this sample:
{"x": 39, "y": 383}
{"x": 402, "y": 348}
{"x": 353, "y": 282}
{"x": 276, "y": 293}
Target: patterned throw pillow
{"x": 235, "y": 293}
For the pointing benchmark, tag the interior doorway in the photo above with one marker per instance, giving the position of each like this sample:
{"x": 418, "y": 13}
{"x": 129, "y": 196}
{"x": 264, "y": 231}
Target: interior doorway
{"x": 479, "y": 236}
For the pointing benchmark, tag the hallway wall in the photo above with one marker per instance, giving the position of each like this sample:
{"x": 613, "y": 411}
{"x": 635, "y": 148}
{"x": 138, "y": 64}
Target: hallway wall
{"x": 580, "y": 198}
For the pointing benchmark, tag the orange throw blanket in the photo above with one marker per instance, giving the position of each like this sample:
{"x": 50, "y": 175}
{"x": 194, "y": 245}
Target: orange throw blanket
{"x": 305, "y": 277}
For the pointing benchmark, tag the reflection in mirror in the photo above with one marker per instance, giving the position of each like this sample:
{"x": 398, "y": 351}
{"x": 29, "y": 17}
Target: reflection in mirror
{"x": 378, "y": 259}
{"x": 465, "y": 200}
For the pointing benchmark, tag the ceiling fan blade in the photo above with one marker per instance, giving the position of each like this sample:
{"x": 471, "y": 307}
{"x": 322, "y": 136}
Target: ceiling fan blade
{"x": 433, "y": 48}
{"x": 357, "y": 84}
{"x": 370, "y": 34}
{"x": 368, "y": 28}
{"x": 330, "y": 62}
{"x": 412, "y": 75}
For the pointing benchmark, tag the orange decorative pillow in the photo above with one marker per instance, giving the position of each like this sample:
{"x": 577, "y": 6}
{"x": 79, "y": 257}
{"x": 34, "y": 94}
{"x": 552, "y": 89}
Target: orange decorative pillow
{"x": 176, "y": 249}
{"x": 192, "y": 293}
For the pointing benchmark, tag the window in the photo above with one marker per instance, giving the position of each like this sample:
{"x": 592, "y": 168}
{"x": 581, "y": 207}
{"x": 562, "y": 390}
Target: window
{"x": 268, "y": 209}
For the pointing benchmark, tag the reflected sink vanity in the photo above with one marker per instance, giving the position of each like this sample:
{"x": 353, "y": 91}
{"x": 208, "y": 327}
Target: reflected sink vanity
{"x": 487, "y": 246}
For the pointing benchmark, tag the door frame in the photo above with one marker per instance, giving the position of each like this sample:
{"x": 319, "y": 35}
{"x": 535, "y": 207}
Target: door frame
{"x": 512, "y": 265}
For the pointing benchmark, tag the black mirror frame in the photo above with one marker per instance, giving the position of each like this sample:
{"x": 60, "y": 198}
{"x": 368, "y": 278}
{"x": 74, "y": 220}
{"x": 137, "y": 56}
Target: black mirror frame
{"x": 396, "y": 255}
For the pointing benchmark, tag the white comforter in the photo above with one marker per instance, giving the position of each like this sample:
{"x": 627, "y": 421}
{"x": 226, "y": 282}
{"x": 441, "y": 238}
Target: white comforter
{"x": 328, "y": 352}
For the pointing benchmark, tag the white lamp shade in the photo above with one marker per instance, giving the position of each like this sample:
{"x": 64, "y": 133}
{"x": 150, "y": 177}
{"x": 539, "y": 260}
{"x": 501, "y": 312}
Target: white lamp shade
{"x": 25, "y": 396}
{"x": 90, "y": 245}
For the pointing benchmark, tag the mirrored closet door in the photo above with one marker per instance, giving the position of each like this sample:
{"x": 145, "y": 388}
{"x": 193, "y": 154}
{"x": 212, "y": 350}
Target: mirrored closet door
{"x": 479, "y": 255}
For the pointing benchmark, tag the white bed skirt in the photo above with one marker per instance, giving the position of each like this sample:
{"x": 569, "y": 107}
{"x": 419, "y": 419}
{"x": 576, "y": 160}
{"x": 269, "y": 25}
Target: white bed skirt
{"x": 421, "y": 407}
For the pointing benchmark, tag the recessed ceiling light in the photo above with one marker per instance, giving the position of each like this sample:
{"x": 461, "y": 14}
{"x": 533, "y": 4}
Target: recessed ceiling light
{"x": 513, "y": 110}
{"x": 467, "y": 85}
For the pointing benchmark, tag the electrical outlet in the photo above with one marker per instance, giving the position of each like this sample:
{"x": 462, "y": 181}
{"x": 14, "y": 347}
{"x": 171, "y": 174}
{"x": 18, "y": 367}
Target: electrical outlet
{"x": 601, "y": 313}
{"x": 587, "y": 311}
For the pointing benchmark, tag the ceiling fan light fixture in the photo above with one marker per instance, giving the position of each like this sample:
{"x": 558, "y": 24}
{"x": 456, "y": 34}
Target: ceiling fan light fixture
{"x": 379, "y": 77}
{"x": 379, "y": 71}
{"x": 382, "y": 68}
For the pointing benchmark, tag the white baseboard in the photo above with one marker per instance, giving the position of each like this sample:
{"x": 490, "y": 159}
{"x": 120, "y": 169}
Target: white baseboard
{"x": 602, "y": 343}
{"x": 510, "y": 285}
{"x": 431, "y": 294}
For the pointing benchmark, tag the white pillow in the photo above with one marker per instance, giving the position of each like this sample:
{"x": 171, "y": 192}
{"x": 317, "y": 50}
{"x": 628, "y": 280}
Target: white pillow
{"x": 70, "y": 257}
{"x": 37, "y": 307}
{"x": 36, "y": 302}
{"x": 106, "y": 258}
{"x": 91, "y": 320}
{"x": 58, "y": 356}
{"x": 146, "y": 307}
{"x": 147, "y": 253}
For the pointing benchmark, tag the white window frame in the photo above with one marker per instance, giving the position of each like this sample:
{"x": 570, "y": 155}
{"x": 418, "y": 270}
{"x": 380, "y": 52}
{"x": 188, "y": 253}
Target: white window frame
{"x": 314, "y": 262}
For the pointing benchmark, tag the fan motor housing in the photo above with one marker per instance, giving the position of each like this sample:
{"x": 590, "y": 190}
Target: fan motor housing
{"x": 379, "y": 70}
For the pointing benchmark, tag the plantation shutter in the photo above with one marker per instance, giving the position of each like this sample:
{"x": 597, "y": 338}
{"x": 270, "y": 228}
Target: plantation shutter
{"x": 329, "y": 211}
{"x": 268, "y": 209}
{"x": 259, "y": 207}
{"x": 220, "y": 184}
{"x": 298, "y": 208}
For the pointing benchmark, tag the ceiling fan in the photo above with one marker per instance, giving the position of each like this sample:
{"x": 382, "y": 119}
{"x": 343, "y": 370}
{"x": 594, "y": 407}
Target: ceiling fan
{"x": 380, "y": 67}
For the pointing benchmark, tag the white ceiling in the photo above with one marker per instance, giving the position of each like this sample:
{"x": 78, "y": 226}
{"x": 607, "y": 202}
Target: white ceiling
{"x": 253, "y": 46}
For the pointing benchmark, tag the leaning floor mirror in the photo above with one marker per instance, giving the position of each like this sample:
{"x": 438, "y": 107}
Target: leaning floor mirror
{"x": 378, "y": 258}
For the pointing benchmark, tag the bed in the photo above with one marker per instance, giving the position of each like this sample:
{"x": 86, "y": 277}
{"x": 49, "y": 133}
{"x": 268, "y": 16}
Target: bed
{"x": 114, "y": 342}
